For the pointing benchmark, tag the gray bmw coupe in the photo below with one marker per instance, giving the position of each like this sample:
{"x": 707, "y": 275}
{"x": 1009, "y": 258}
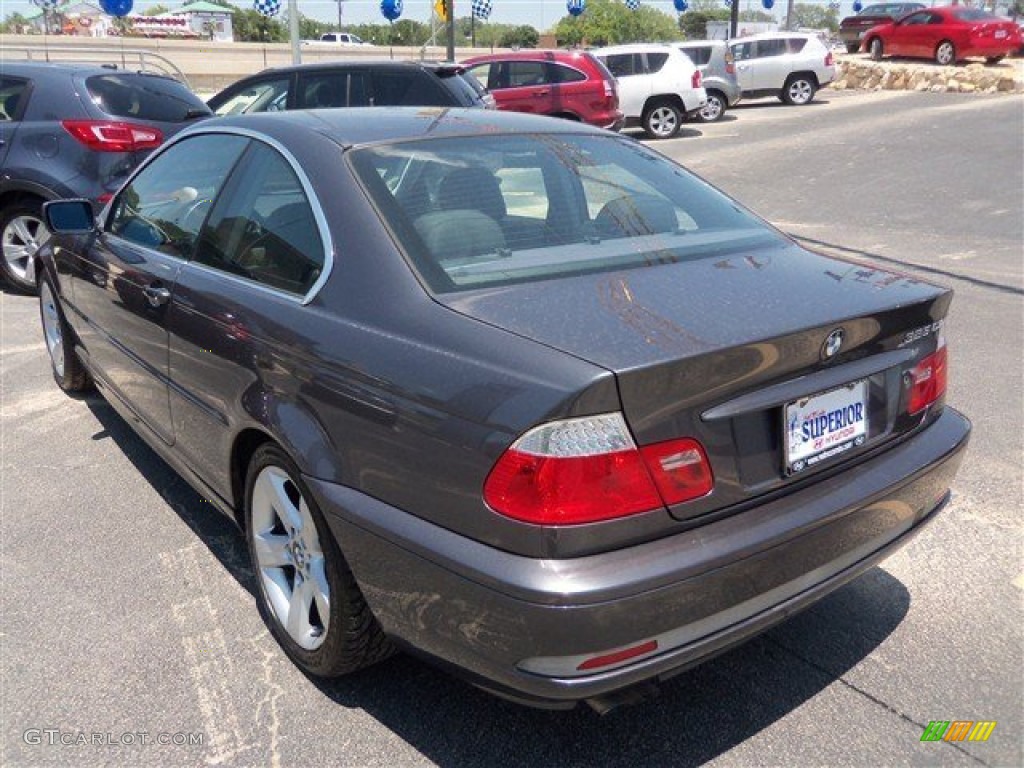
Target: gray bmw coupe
{"x": 519, "y": 395}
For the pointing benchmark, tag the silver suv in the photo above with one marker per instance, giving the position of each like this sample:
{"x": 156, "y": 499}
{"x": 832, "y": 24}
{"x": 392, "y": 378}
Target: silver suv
{"x": 659, "y": 86}
{"x": 718, "y": 72}
{"x": 789, "y": 65}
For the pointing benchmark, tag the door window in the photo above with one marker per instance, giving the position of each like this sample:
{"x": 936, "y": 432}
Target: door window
{"x": 11, "y": 91}
{"x": 526, "y": 73}
{"x": 410, "y": 88}
{"x": 655, "y": 61}
{"x": 559, "y": 73}
{"x": 324, "y": 91}
{"x": 767, "y": 48}
{"x": 164, "y": 205}
{"x": 625, "y": 64}
{"x": 264, "y": 96}
{"x": 263, "y": 228}
{"x": 482, "y": 73}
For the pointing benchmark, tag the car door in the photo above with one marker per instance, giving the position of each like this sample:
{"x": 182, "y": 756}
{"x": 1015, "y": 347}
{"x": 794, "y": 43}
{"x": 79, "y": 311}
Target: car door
{"x": 12, "y": 96}
{"x": 262, "y": 251}
{"x": 634, "y": 84}
{"x": 769, "y": 66}
{"x": 123, "y": 284}
{"x": 906, "y": 37}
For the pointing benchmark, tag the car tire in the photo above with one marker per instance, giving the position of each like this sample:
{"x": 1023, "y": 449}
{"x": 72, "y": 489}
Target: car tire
{"x": 945, "y": 54}
{"x": 662, "y": 119}
{"x": 67, "y": 369}
{"x": 715, "y": 108}
{"x": 799, "y": 90}
{"x": 299, "y": 567}
{"x": 22, "y": 232}
{"x": 993, "y": 60}
{"x": 876, "y": 49}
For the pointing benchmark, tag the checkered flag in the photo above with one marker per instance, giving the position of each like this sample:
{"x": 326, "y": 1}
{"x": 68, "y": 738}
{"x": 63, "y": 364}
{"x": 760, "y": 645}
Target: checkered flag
{"x": 482, "y": 9}
{"x": 267, "y": 7}
{"x": 46, "y": 5}
{"x": 633, "y": 5}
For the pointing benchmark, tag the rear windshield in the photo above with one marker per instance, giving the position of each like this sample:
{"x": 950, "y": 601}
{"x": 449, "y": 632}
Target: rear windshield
{"x": 145, "y": 97}
{"x": 496, "y": 210}
{"x": 466, "y": 89}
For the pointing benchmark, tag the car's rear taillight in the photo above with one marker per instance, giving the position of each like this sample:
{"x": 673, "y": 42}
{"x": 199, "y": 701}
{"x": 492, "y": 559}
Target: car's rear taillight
{"x": 928, "y": 380}
{"x": 113, "y": 136}
{"x": 695, "y": 81}
{"x": 828, "y": 59}
{"x": 589, "y": 469}
{"x": 730, "y": 63}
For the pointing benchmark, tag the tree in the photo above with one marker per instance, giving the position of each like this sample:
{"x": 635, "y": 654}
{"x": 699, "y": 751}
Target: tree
{"x": 608, "y": 22}
{"x": 523, "y": 36}
{"x": 15, "y": 24}
{"x": 250, "y": 26}
{"x": 760, "y": 16}
{"x": 155, "y": 10}
{"x": 694, "y": 23}
{"x": 814, "y": 17}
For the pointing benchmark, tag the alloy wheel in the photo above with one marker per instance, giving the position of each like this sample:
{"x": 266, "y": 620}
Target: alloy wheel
{"x": 51, "y": 328}
{"x": 290, "y": 561}
{"x": 21, "y": 238}
{"x": 663, "y": 122}
{"x": 800, "y": 92}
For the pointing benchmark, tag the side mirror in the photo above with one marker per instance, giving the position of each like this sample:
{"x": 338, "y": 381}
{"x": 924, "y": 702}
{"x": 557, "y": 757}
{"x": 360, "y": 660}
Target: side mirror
{"x": 69, "y": 217}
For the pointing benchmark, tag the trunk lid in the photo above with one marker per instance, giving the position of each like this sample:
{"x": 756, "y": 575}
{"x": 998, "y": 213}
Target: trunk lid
{"x": 715, "y": 349}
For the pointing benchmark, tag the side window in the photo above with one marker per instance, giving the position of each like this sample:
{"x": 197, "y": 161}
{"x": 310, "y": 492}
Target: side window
{"x": 323, "y": 90}
{"x": 482, "y": 73}
{"x": 11, "y": 91}
{"x": 917, "y": 18}
{"x": 524, "y": 73}
{"x": 655, "y": 61}
{"x": 624, "y": 64}
{"x": 264, "y": 96}
{"x": 743, "y": 51}
{"x": 559, "y": 73}
{"x": 164, "y": 205}
{"x": 263, "y": 227}
{"x": 934, "y": 18}
{"x": 767, "y": 48}
{"x": 699, "y": 56}
{"x": 795, "y": 44}
{"x": 412, "y": 88}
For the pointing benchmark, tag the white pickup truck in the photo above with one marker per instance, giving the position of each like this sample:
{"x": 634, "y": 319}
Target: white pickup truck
{"x": 337, "y": 38}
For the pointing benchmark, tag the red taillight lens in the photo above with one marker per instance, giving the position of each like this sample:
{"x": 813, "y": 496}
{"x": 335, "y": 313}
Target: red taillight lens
{"x": 928, "y": 380}
{"x": 586, "y": 470}
{"x": 107, "y": 136}
{"x": 695, "y": 81}
{"x": 730, "y": 63}
{"x": 828, "y": 59}
{"x": 617, "y": 657}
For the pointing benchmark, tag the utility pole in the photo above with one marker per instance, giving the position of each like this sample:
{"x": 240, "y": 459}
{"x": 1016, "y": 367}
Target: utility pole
{"x": 339, "y": 14}
{"x": 789, "y": 15}
{"x": 451, "y": 29}
{"x": 293, "y": 30}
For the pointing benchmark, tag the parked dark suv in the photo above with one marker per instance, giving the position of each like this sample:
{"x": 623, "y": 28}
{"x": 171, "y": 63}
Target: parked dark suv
{"x": 354, "y": 83}
{"x": 569, "y": 84}
{"x": 70, "y": 130}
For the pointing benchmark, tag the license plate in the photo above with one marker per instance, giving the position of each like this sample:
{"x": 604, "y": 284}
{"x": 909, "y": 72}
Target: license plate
{"x": 1000, "y": 34}
{"x": 826, "y": 425}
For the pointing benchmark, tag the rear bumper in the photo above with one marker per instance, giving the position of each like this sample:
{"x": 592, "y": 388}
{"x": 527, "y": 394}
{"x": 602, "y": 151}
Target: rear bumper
{"x": 519, "y": 626}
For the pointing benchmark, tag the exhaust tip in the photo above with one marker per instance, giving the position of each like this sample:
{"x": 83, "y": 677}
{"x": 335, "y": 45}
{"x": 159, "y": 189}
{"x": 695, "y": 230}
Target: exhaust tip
{"x": 635, "y": 694}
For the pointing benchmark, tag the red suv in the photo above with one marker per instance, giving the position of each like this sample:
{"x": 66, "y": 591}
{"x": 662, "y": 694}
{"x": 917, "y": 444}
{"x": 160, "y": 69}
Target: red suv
{"x": 570, "y": 84}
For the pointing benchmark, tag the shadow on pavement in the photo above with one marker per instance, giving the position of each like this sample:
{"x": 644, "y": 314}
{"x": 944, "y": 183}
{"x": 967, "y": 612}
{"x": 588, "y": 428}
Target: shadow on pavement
{"x": 698, "y": 715}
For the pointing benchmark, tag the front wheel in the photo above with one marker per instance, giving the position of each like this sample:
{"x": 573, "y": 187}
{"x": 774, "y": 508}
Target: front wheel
{"x": 875, "y": 49}
{"x": 306, "y": 593}
{"x": 662, "y": 120}
{"x": 714, "y": 109}
{"x": 945, "y": 53}
{"x": 22, "y": 232}
{"x": 799, "y": 90}
{"x": 67, "y": 369}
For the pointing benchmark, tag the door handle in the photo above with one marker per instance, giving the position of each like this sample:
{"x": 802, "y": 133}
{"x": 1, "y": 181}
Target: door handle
{"x": 156, "y": 294}
{"x": 545, "y": 92}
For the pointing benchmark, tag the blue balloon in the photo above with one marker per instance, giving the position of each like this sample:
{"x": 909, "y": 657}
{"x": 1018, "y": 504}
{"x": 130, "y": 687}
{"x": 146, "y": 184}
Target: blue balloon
{"x": 116, "y": 7}
{"x": 390, "y": 9}
{"x": 858, "y": 6}
{"x": 768, "y": 4}
{"x": 575, "y": 7}
{"x": 681, "y": 5}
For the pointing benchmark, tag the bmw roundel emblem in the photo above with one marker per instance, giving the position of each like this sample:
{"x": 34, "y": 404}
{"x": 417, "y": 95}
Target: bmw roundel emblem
{"x": 833, "y": 344}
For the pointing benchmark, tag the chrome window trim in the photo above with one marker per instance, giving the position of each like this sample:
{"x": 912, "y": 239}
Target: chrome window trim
{"x": 307, "y": 188}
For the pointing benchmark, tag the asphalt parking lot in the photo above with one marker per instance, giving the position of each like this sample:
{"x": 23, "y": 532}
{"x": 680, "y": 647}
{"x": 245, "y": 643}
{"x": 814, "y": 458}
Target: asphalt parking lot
{"x": 127, "y": 602}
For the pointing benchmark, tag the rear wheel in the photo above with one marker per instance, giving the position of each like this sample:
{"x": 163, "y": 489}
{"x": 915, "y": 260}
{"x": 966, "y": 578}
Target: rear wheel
{"x": 662, "y": 120}
{"x": 875, "y": 49}
{"x": 22, "y": 232}
{"x": 67, "y": 369}
{"x": 945, "y": 53}
{"x": 307, "y": 594}
{"x": 714, "y": 109}
{"x": 799, "y": 90}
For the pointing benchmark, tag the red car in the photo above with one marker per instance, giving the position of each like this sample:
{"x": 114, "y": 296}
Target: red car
{"x": 946, "y": 35}
{"x": 569, "y": 84}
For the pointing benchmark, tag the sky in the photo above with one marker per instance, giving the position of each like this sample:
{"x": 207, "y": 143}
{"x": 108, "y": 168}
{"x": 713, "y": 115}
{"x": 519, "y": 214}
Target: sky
{"x": 542, "y": 14}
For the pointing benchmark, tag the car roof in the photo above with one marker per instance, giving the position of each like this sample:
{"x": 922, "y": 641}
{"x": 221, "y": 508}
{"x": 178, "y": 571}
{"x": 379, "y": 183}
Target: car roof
{"x": 530, "y": 54}
{"x": 774, "y": 36}
{"x": 41, "y": 67}
{"x": 634, "y": 48}
{"x": 697, "y": 43}
{"x": 375, "y": 63}
{"x": 373, "y": 125}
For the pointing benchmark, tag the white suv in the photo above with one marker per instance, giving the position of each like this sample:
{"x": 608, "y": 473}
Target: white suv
{"x": 789, "y": 65}
{"x": 659, "y": 86}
